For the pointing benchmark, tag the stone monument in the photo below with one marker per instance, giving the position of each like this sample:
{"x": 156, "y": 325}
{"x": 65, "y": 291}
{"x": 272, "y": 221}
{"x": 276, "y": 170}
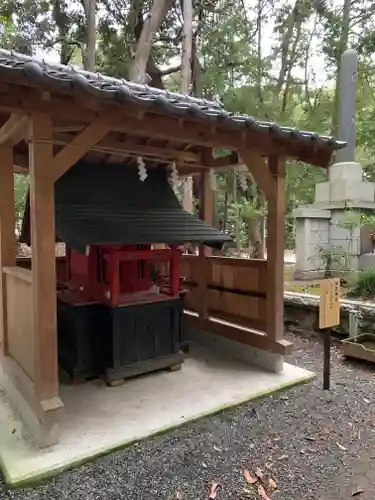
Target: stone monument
{"x": 317, "y": 225}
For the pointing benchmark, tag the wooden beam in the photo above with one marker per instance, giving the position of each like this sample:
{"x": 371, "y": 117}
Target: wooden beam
{"x": 239, "y": 334}
{"x": 275, "y": 249}
{"x": 130, "y": 148}
{"x": 80, "y": 145}
{"x": 14, "y": 130}
{"x": 7, "y": 236}
{"x": 18, "y": 169}
{"x": 42, "y": 219}
{"x": 258, "y": 168}
{"x": 206, "y": 214}
{"x": 129, "y": 119}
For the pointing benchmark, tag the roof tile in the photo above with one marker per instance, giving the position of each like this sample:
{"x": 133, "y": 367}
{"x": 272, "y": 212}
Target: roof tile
{"x": 105, "y": 87}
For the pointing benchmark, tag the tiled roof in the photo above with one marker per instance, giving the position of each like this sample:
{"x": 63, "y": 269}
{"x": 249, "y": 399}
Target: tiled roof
{"x": 112, "y": 206}
{"x": 70, "y": 78}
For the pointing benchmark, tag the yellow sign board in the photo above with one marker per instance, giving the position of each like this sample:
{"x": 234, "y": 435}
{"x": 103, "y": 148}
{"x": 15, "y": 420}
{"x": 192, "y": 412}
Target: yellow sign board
{"x": 329, "y": 305}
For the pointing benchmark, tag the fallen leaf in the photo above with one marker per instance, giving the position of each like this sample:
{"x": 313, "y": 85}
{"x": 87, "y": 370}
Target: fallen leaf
{"x": 310, "y": 438}
{"x": 249, "y": 478}
{"x": 13, "y": 431}
{"x": 341, "y": 447}
{"x": 366, "y": 400}
{"x": 204, "y": 465}
{"x": 262, "y": 493}
{"x": 213, "y": 491}
{"x": 248, "y": 492}
{"x": 259, "y": 473}
{"x": 272, "y": 483}
{"x": 179, "y": 496}
{"x": 217, "y": 449}
{"x": 283, "y": 457}
{"x": 358, "y": 491}
{"x": 268, "y": 465}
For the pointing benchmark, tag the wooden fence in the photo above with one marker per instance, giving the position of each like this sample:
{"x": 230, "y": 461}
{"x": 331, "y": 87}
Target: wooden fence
{"x": 235, "y": 288}
{"x": 228, "y": 294}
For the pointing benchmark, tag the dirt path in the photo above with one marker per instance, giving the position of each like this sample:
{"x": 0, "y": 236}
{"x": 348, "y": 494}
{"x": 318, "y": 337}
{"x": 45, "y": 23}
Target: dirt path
{"x": 315, "y": 445}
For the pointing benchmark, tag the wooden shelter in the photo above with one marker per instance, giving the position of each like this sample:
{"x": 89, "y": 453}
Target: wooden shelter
{"x": 53, "y": 116}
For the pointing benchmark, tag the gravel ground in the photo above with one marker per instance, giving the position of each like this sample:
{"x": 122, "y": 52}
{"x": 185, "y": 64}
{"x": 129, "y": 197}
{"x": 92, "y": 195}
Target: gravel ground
{"x": 313, "y": 444}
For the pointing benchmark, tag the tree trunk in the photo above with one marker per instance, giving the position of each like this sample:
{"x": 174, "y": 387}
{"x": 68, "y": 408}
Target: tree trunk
{"x": 255, "y": 238}
{"x": 285, "y": 44}
{"x": 188, "y": 195}
{"x": 196, "y": 70}
{"x": 187, "y": 47}
{"x": 62, "y": 23}
{"x": 151, "y": 25}
{"x": 89, "y": 59}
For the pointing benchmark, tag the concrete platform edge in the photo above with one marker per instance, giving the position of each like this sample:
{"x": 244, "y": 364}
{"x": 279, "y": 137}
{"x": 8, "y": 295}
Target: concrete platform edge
{"x": 31, "y": 479}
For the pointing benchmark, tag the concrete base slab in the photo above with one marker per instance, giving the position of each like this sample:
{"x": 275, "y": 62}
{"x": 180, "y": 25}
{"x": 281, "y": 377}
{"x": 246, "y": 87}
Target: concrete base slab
{"x": 98, "y": 419}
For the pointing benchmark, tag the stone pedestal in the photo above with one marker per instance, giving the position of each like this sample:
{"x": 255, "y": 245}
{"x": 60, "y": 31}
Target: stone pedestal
{"x": 318, "y": 225}
{"x": 312, "y": 232}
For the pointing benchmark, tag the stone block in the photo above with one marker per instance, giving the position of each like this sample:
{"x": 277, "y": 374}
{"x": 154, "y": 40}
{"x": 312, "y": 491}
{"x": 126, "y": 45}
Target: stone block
{"x": 269, "y": 361}
{"x": 346, "y": 171}
{"x": 344, "y": 190}
{"x": 310, "y": 234}
{"x": 352, "y": 246}
{"x": 367, "y": 260}
{"x": 311, "y": 213}
{"x": 322, "y": 192}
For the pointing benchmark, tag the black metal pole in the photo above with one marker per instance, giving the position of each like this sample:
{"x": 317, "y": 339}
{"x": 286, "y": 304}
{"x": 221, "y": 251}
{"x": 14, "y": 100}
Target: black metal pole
{"x": 327, "y": 359}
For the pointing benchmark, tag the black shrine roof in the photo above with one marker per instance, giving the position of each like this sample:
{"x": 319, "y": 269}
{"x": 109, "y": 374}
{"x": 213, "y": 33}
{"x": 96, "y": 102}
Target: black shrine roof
{"x": 96, "y": 204}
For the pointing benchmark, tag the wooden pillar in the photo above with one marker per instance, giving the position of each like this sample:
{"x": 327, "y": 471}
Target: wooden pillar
{"x": 42, "y": 219}
{"x": 7, "y": 235}
{"x": 206, "y": 214}
{"x": 275, "y": 249}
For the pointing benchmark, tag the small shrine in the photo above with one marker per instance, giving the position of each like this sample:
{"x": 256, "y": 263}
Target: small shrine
{"x": 103, "y": 157}
{"x": 116, "y": 317}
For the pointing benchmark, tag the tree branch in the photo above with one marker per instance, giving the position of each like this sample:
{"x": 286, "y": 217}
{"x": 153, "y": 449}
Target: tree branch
{"x": 170, "y": 71}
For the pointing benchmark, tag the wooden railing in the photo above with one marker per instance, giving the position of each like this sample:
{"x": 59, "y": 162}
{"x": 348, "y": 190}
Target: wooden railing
{"x": 20, "y": 332}
{"x": 25, "y": 262}
{"x": 236, "y": 289}
{"x": 225, "y": 289}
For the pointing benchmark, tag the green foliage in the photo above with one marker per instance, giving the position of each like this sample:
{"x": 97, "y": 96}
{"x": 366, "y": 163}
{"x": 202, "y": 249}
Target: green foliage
{"x": 21, "y": 184}
{"x": 255, "y": 57}
{"x": 362, "y": 283}
{"x": 334, "y": 258}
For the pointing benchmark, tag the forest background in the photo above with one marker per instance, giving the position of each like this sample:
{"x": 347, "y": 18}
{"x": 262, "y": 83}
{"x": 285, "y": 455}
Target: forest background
{"x": 277, "y": 60}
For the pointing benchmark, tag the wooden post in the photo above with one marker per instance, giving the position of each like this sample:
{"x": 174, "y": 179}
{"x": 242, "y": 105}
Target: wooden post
{"x": 275, "y": 249}
{"x": 206, "y": 214}
{"x": 42, "y": 219}
{"x": 329, "y": 316}
{"x": 7, "y": 235}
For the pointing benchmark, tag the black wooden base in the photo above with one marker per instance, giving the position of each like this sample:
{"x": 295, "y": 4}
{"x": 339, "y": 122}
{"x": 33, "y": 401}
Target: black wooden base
{"x": 119, "y": 342}
{"x": 142, "y": 367}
